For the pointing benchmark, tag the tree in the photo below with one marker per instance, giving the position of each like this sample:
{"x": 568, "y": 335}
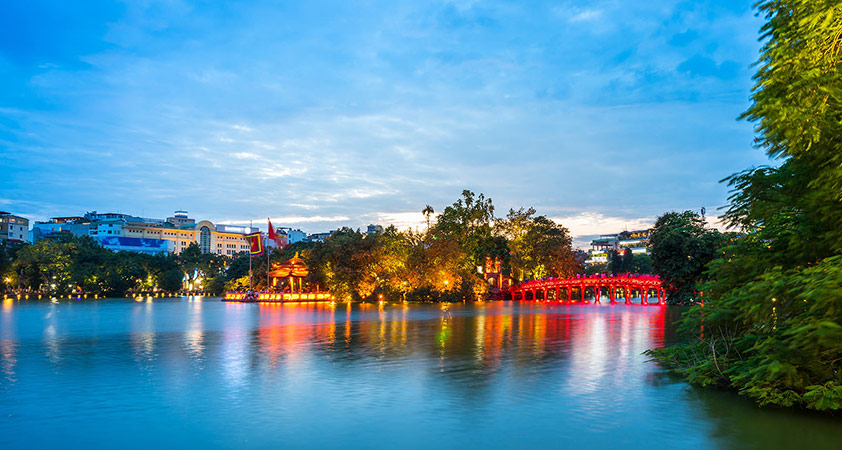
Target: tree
{"x": 539, "y": 247}
{"x": 681, "y": 248}
{"x": 345, "y": 264}
{"x": 171, "y": 280}
{"x": 641, "y": 263}
{"x": 428, "y": 211}
{"x": 771, "y": 326}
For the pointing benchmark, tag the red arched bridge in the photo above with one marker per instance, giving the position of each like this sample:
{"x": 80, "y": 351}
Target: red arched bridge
{"x": 617, "y": 286}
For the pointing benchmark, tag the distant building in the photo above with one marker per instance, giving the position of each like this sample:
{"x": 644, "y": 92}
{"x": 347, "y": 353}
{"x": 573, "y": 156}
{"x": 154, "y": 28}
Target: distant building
{"x": 146, "y": 235}
{"x": 637, "y": 241}
{"x": 180, "y": 219}
{"x": 13, "y": 228}
{"x": 292, "y": 235}
{"x": 57, "y": 226}
{"x": 374, "y": 229}
{"x": 600, "y": 247}
{"x": 320, "y": 237}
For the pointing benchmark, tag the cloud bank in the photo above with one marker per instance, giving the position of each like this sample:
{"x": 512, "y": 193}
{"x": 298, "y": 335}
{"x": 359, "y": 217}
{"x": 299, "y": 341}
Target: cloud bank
{"x": 601, "y": 113}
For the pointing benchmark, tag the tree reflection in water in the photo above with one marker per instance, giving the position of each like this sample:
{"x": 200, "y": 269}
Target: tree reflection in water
{"x": 496, "y": 374}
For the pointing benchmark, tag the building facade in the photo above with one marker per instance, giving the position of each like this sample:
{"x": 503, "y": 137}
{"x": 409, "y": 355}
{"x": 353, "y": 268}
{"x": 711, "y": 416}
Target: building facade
{"x": 320, "y": 237}
{"x": 292, "y": 235}
{"x": 637, "y": 241}
{"x": 374, "y": 229}
{"x": 13, "y": 228}
{"x": 145, "y": 235}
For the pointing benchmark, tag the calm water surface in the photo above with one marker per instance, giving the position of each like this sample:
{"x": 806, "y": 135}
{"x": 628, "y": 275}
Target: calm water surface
{"x": 203, "y": 373}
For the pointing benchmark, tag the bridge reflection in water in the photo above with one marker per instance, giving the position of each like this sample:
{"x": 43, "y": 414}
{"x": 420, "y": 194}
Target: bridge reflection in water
{"x": 562, "y": 289}
{"x": 119, "y": 373}
{"x": 291, "y": 335}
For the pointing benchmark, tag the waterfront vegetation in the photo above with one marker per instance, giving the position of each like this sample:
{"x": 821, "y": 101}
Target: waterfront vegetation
{"x": 682, "y": 246}
{"x": 439, "y": 263}
{"x": 770, "y": 325}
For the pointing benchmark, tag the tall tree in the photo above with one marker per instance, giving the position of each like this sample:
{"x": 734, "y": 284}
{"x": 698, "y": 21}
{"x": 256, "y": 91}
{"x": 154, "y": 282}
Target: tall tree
{"x": 772, "y": 322}
{"x": 428, "y": 211}
{"x": 681, "y": 248}
{"x": 539, "y": 246}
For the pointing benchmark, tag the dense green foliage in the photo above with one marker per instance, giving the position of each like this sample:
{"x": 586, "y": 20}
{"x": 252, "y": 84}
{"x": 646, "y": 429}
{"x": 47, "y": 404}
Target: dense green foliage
{"x": 442, "y": 262}
{"x": 439, "y": 264}
{"x": 681, "y": 247}
{"x": 771, "y": 325}
{"x": 79, "y": 265}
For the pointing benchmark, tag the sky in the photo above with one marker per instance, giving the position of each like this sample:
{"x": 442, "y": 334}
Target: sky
{"x": 599, "y": 114}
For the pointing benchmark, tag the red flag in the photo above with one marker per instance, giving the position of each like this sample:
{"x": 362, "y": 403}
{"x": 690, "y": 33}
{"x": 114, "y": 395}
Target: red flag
{"x": 256, "y": 243}
{"x": 274, "y": 236}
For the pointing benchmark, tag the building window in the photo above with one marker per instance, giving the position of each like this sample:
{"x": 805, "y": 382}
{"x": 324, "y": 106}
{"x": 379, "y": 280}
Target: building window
{"x": 205, "y": 240}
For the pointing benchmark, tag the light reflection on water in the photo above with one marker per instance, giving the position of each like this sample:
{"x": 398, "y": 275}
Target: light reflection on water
{"x": 199, "y": 372}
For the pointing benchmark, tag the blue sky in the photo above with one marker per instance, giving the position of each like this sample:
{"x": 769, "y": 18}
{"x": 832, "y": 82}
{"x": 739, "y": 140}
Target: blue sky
{"x": 601, "y": 114}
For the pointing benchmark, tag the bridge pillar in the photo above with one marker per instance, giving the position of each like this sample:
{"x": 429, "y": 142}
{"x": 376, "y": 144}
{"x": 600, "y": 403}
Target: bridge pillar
{"x": 627, "y": 293}
{"x": 557, "y": 291}
{"x": 662, "y": 296}
{"x": 545, "y": 295}
{"x": 597, "y": 294}
{"x": 644, "y": 295}
{"x": 612, "y": 293}
{"x": 569, "y": 294}
{"x": 582, "y": 291}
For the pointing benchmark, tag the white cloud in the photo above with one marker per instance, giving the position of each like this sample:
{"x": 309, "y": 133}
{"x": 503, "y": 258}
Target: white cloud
{"x": 285, "y": 220}
{"x": 586, "y": 15}
{"x": 402, "y": 220}
{"x": 585, "y": 225}
{"x": 719, "y": 224}
{"x": 246, "y": 155}
{"x": 590, "y": 223}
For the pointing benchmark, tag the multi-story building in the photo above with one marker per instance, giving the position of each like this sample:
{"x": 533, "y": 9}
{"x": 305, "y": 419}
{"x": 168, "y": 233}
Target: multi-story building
{"x": 637, "y": 241}
{"x": 13, "y": 228}
{"x": 600, "y": 247}
{"x": 374, "y": 229}
{"x": 320, "y": 237}
{"x": 292, "y": 235}
{"x": 173, "y": 235}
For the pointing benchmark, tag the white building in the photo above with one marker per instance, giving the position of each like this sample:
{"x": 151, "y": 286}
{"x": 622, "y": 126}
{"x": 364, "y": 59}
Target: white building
{"x": 13, "y": 228}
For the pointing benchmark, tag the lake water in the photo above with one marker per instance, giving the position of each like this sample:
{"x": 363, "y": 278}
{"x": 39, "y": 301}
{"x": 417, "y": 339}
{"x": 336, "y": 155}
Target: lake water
{"x": 195, "y": 372}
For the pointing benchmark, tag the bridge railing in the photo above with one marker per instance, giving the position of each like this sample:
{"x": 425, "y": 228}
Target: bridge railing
{"x": 625, "y": 283}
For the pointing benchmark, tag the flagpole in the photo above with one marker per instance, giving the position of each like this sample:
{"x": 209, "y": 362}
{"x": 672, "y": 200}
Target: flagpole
{"x": 267, "y": 254}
